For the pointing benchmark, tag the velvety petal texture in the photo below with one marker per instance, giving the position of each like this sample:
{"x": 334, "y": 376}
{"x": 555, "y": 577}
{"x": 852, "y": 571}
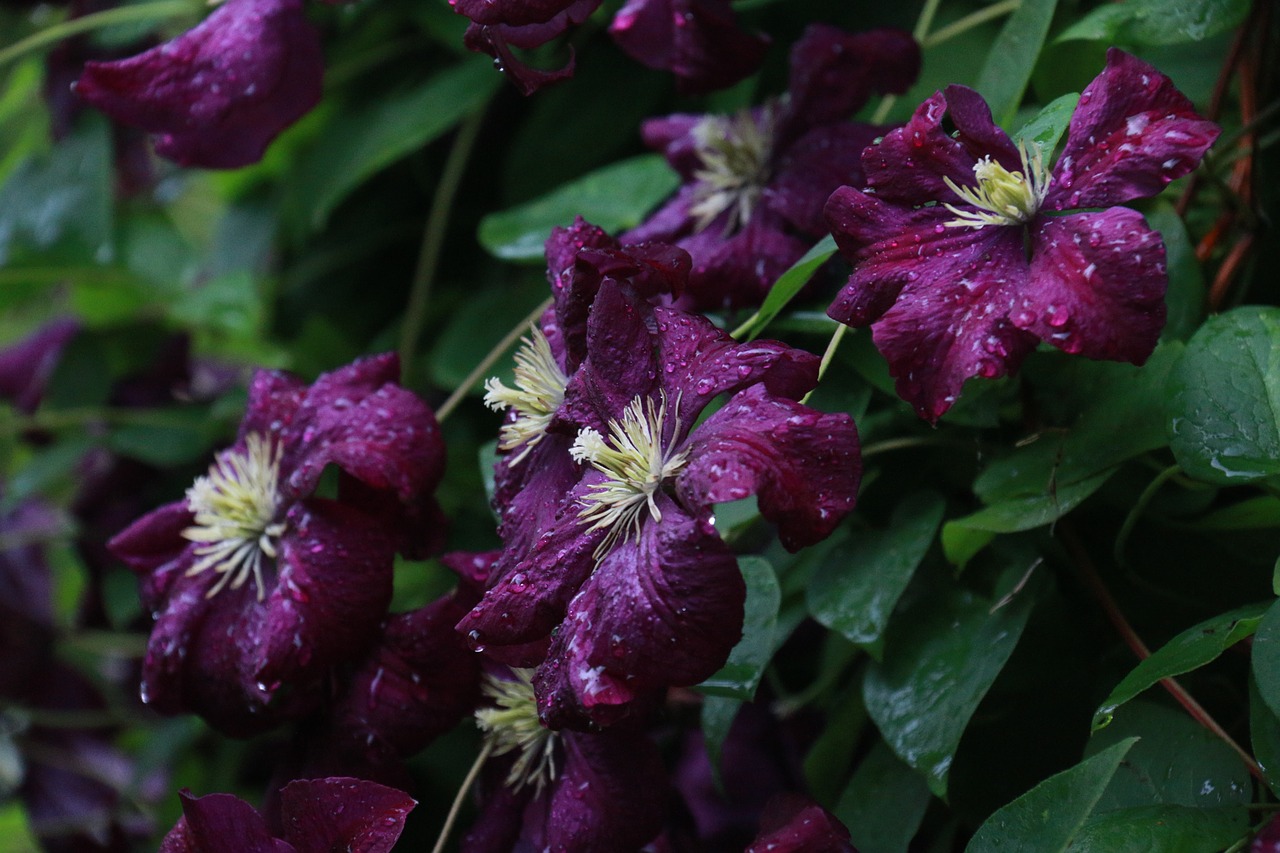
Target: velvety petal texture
{"x": 217, "y": 95}
{"x": 960, "y": 270}
{"x": 699, "y": 41}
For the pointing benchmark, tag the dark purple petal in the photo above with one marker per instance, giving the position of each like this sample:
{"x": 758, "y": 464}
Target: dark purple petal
{"x": 977, "y": 130}
{"x": 671, "y": 222}
{"x": 1097, "y": 285}
{"x": 739, "y": 272}
{"x": 1131, "y": 134}
{"x": 673, "y": 136}
{"x": 274, "y": 398}
{"x": 792, "y": 824}
{"x": 834, "y": 73}
{"x": 910, "y": 163}
{"x": 822, "y": 160}
{"x": 1268, "y": 840}
{"x": 217, "y": 95}
{"x": 155, "y": 539}
{"x": 323, "y": 815}
{"x": 510, "y": 12}
{"x": 27, "y": 366}
{"x": 498, "y": 39}
{"x": 333, "y": 585}
{"x": 661, "y": 610}
{"x": 221, "y": 823}
{"x": 803, "y": 464}
{"x": 699, "y": 41}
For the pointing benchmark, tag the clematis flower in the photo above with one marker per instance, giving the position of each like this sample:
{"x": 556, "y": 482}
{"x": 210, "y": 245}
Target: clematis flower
{"x": 792, "y": 824}
{"x": 499, "y": 25}
{"x": 938, "y": 239}
{"x": 577, "y": 792}
{"x": 632, "y": 541}
{"x": 754, "y": 183}
{"x": 699, "y": 41}
{"x": 217, "y": 95}
{"x": 319, "y": 815}
{"x": 256, "y": 582}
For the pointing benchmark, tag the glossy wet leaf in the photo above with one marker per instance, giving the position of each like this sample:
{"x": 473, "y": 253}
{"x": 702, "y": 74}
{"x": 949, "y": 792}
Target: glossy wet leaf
{"x": 884, "y": 803}
{"x": 1264, "y": 727}
{"x": 1158, "y": 22}
{"x": 718, "y": 714}
{"x": 1051, "y": 816}
{"x": 1266, "y": 658}
{"x": 740, "y": 675}
{"x": 1191, "y": 649}
{"x": 857, "y": 586}
{"x": 788, "y": 285}
{"x": 1012, "y": 57}
{"x": 1160, "y": 829}
{"x": 1048, "y": 125}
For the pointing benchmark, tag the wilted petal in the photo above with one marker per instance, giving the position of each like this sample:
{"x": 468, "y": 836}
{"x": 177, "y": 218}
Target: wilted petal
{"x": 1131, "y": 134}
{"x": 337, "y": 813}
{"x": 1097, "y": 285}
{"x": 217, "y": 95}
{"x": 803, "y": 464}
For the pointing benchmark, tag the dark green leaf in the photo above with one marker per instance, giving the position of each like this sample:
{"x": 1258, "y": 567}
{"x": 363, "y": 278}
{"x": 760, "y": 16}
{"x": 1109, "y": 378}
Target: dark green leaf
{"x": 615, "y": 198}
{"x": 1158, "y": 22}
{"x": 740, "y": 675}
{"x": 1225, "y": 398}
{"x": 718, "y": 714}
{"x": 1049, "y": 124}
{"x": 172, "y": 437}
{"x": 856, "y": 588}
{"x": 1161, "y": 829}
{"x": 1264, "y": 726}
{"x": 1191, "y": 649}
{"x": 1012, "y": 57}
{"x": 787, "y": 286}
{"x": 1262, "y": 512}
{"x": 1266, "y": 658}
{"x": 1049, "y": 817}
{"x": 366, "y": 139}
{"x": 883, "y": 804}
{"x": 474, "y": 328}
{"x": 940, "y": 658}
{"x": 1186, "y": 295}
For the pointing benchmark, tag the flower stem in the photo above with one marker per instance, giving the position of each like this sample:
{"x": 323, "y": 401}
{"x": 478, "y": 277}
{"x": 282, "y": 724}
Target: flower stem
{"x": 1148, "y": 494}
{"x": 433, "y": 237}
{"x": 462, "y": 795}
{"x": 487, "y": 362}
{"x": 160, "y": 10}
{"x": 968, "y": 22}
{"x": 925, "y": 20}
{"x": 832, "y": 346}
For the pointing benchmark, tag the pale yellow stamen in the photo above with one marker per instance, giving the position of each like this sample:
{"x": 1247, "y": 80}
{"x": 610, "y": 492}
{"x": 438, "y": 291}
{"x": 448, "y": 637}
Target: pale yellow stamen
{"x": 636, "y": 462}
{"x": 735, "y": 154}
{"x": 512, "y": 725}
{"x": 538, "y": 393}
{"x": 235, "y": 507}
{"x": 1002, "y": 197}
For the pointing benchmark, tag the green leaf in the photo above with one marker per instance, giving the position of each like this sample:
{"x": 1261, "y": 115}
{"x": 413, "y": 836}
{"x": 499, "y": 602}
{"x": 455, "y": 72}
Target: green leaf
{"x": 1161, "y": 829}
{"x": 883, "y": 804}
{"x": 1049, "y": 817}
{"x": 740, "y": 675}
{"x": 718, "y": 714}
{"x": 856, "y": 588}
{"x": 1191, "y": 649}
{"x": 1047, "y": 127}
{"x": 369, "y": 137}
{"x": 941, "y": 656}
{"x": 1266, "y": 658}
{"x": 1186, "y": 294}
{"x": 1224, "y": 403}
{"x": 1012, "y": 57}
{"x": 174, "y": 437}
{"x": 615, "y": 198}
{"x": 1158, "y": 22}
{"x": 1264, "y": 726}
{"x": 787, "y": 286}
{"x": 1258, "y": 513}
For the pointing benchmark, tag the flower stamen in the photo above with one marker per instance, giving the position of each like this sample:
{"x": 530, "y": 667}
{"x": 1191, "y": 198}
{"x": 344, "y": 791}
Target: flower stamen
{"x": 539, "y": 391}
{"x": 635, "y": 461}
{"x": 1002, "y": 197}
{"x": 735, "y": 153}
{"x": 512, "y": 725}
{"x": 235, "y": 506}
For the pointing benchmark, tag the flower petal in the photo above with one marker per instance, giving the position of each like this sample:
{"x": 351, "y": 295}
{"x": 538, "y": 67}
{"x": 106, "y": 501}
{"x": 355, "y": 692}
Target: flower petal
{"x": 217, "y": 95}
{"x": 909, "y": 164}
{"x": 338, "y": 813}
{"x": 1131, "y": 134}
{"x": 274, "y": 397}
{"x": 802, "y": 463}
{"x": 820, "y": 162}
{"x": 27, "y": 366}
{"x": 1097, "y": 285}
{"x": 221, "y": 823}
{"x": 510, "y": 12}
{"x": 792, "y": 824}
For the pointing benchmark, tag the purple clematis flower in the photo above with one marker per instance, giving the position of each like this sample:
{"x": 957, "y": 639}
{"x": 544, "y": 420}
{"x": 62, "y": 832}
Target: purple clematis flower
{"x": 699, "y": 41}
{"x": 755, "y": 183}
{"x": 631, "y": 543}
{"x": 499, "y": 25}
{"x": 938, "y": 239}
{"x": 217, "y": 95}
{"x": 319, "y": 815}
{"x": 792, "y": 824}
{"x": 255, "y": 582}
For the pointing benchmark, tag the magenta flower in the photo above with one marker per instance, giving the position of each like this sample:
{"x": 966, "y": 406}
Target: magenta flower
{"x": 698, "y": 41}
{"x": 499, "y": 25}
{"x": 217, "y": 95}
{"x": 632, "y": 542}
{"x": 319, "y": 815}
{"x": 255, "y": 582}
{"x": 792, "y": 824}
{"x": 941, "y": 273}
{"x": 755, "y": 183}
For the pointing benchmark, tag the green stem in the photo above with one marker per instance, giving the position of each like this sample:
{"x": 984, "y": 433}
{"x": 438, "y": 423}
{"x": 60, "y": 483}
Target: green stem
{"x": 832, "y": 346}
{"x": 160, "y": 10}
{"x": 1148, "y": 494}
{"x": 79, "y": 417}
{"x": 487, "y": 362}
{"x": 908, "y": 442}
{"x": 433, "y": 236}
{"x": 968, "y": 22}
{"x": 462, "y": 795}
{"x": 925, "y": 20}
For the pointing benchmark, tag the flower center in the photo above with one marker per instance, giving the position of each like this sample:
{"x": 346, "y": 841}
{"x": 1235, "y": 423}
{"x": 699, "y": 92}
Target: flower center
{"x": 235, "y": 507}
{"x": 735, "y": 166}
{"x": 512, "y": 725}
{"x": 635, "y": 462}
{"x": 538, "y": 393}
{"x": 1002, "y": 197}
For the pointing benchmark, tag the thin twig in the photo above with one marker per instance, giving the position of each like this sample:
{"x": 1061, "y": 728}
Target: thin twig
{"x": 457, "y": 801}
{"x": 487, "y": 362}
